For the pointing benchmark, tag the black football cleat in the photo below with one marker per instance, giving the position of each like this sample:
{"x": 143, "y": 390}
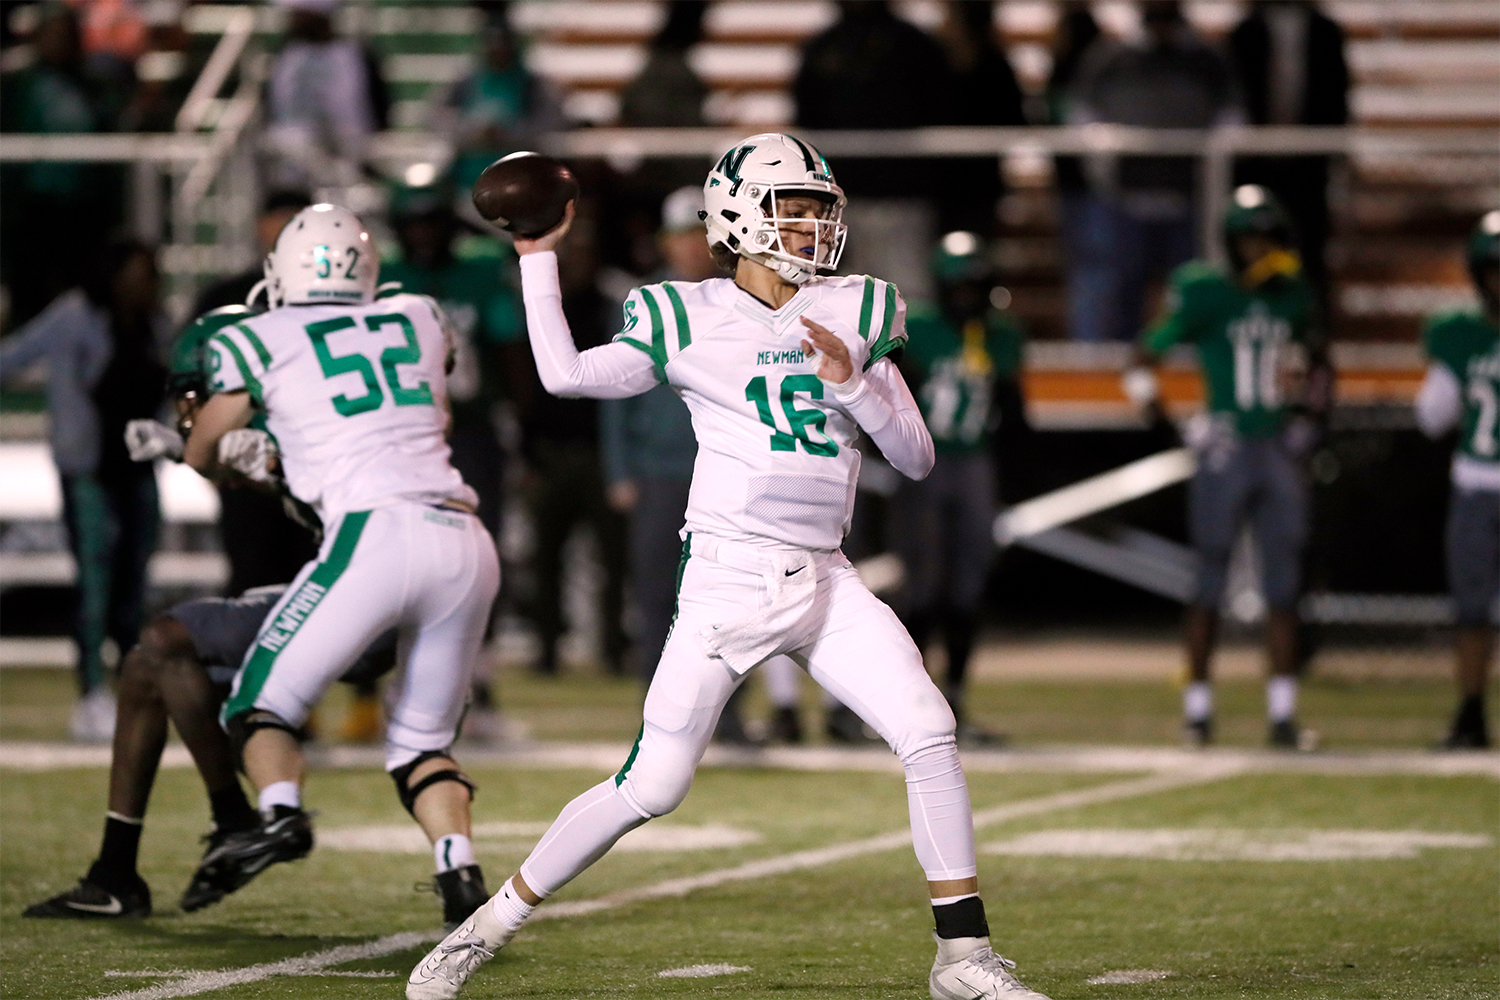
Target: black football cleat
{"x": 1198, "y": 733}
{"x": 232, "y": 860}
{"x": 213, "y": 880}
{"x": 462, "y": 891}
{"x": 90, "y": 900}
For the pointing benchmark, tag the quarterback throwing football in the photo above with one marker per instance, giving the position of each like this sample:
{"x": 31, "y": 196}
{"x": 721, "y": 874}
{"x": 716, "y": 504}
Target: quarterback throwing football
{"x": 780, "y": 368}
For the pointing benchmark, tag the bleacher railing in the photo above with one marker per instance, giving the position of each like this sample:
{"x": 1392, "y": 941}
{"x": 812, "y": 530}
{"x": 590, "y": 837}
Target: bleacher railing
{"x": 1215, "y": 149}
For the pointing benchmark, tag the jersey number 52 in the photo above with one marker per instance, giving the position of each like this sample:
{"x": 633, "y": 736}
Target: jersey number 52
{"x": 341, "y": 364}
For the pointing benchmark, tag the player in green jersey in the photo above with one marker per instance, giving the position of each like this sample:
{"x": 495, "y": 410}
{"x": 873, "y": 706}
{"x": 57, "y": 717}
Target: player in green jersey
{"x": 1462, "y": 390}
{"x": 962, "y": 362}
{"x": 1245, "y": 323}
{"x": 468, "y": 278}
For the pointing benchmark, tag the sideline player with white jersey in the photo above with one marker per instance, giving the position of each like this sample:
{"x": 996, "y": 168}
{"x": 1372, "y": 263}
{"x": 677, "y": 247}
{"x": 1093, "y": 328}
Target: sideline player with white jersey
{"x": 352, "y": 391}
{"x": 780, "y": 368}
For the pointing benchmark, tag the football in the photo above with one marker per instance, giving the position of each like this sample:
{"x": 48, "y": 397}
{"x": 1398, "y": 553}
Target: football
{"x": 525, "y": 193}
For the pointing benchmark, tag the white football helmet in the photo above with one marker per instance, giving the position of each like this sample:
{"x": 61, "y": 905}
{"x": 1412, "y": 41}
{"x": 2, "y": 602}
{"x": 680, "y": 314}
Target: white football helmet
{"x": 323, "y": 255}
{"x": 741, "y": 197}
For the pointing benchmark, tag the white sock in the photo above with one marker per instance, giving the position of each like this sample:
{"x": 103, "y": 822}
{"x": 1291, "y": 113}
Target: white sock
{"x": 280, "y": 793}
{"x": 1198, "y": 701}
{"x": 509, "y": 908}
{"x": 453, "y": 851}
{"x": 1281, "y": 698}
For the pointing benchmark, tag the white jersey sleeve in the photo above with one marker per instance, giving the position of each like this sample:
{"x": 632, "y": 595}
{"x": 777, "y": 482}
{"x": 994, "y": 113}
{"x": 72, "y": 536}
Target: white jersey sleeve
{"x": 612, "y": 371}
{"x": 355, "y": 397}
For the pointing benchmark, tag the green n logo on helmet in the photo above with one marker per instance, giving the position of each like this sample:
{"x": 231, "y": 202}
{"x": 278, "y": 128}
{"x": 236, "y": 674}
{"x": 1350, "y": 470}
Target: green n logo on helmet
{"x": 731, "y": 163}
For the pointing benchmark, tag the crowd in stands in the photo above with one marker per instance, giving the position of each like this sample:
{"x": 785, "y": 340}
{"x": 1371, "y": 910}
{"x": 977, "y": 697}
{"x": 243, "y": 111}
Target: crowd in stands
{"x": 619, "y": 468}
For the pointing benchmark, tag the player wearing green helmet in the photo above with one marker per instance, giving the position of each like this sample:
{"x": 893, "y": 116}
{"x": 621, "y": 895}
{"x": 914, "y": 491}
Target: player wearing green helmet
{"x": 1244, "y": 323}
{"x": 1462, "y": 391}
{"x": 962, "y": 361}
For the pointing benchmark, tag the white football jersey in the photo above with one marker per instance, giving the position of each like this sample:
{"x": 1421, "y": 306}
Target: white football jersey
{"x": 776, "y": 457}
{"x": 353, "y": 395}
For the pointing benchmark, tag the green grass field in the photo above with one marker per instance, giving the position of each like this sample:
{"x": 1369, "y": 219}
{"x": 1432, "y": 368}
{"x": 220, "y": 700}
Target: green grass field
{"x": 1229, "y": 874}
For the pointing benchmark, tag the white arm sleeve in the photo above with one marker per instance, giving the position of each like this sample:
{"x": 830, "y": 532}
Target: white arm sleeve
{"x": 1439, "y": 403}
{"x": 882, "y": 404}
{"x": 613, "y": 371}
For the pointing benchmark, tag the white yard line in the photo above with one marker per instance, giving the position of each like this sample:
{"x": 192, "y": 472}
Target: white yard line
{"x": 315, "y": 963}
{"x": 606, "y": 757}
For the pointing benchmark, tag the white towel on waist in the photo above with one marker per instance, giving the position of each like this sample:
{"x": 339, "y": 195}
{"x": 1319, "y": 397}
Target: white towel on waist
{"x": 792, "y": 581}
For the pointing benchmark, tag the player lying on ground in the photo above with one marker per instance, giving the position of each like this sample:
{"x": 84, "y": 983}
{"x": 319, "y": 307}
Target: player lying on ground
{"x": 1244, "y": 321}
{"x": 402, "y": 550}
{"x": 181, "y": 671}
{"x": 1462, "y": 390}
{"x": 779, "y": 368}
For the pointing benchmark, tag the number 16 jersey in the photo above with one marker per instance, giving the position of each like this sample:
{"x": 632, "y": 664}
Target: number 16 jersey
{"x": 776, "y": 458}
{"x": 353, "y": 395}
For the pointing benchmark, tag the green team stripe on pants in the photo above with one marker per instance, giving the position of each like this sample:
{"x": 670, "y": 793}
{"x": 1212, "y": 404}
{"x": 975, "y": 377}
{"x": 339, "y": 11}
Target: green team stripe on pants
{"x": 687, "y": 546}
{"x": 275, "y": 634}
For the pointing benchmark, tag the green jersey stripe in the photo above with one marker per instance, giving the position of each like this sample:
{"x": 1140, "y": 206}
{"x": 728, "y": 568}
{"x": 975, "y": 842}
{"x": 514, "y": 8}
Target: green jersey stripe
{"x": 884, "y": 344}
{"x": 687, "y": 547}
{"x": 658, "y": 335}
{"x": 260, "y": 348}
{"x": 251, "y": 382}
{"x": 290, "y": 615}
{"x": 866, "y": 307}
{"x": 679, "y": 312}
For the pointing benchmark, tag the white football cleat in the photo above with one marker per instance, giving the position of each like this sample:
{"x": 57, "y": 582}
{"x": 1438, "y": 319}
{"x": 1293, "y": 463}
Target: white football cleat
{"x": 969, "y": 969}
{"x": 441, "y": 974}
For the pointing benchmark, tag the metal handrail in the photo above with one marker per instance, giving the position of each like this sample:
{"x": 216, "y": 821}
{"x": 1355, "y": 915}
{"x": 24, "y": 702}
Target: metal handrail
{"x": 1255, "y": 140}
{"x": 226, "y": 54}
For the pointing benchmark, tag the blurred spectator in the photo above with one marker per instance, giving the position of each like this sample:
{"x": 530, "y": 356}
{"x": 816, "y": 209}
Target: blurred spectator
{"x": 499, "y": 108}
{"x": 984, "y": 91}
{"x": 963, "y": 363}
{"x": 1290, "y": 61}
{"x": 668, "y": 93}
{"x": 1085, "y": 243}
{"x": 872, "y": 70}
{"x": 325, "y": 99}
{"x": 100, "y": 343}
{"x": 51, "y": 209}
{"x": 648, "y": 449}
{"x": 1142, "y": 206}
{"x": 484, "y": 308}
{"x": 264, "y": 546}
{"x": 565, "y": 482}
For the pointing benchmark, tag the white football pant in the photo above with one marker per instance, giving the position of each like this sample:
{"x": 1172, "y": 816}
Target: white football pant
{"x": 430, "y": 572}
{"x": 858, "y": 651}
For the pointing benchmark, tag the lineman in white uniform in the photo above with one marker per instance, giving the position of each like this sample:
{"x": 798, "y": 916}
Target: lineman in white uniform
{"x": 352, "y": 387}
{"x": 779, "y": 368}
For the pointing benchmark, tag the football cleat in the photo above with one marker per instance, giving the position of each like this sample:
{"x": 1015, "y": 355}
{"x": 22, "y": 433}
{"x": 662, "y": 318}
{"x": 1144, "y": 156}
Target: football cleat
{"x": 89, "y": 900}
{"x": 1287, "y": 735}
{"x": 969, "y": 969}
{"x": 445, "y": 969}
{"x": 1198, "y": 733}
{"x": 241, "y": 855}
{"x": 1465, "y": 738}
{"x": 462, "y": 891}
{"x": 213, "y": 880}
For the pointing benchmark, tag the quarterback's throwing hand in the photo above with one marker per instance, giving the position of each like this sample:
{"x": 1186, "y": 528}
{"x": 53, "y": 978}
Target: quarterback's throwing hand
{"x": 552, "y": 237}
{"x": 834, "y": 365}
